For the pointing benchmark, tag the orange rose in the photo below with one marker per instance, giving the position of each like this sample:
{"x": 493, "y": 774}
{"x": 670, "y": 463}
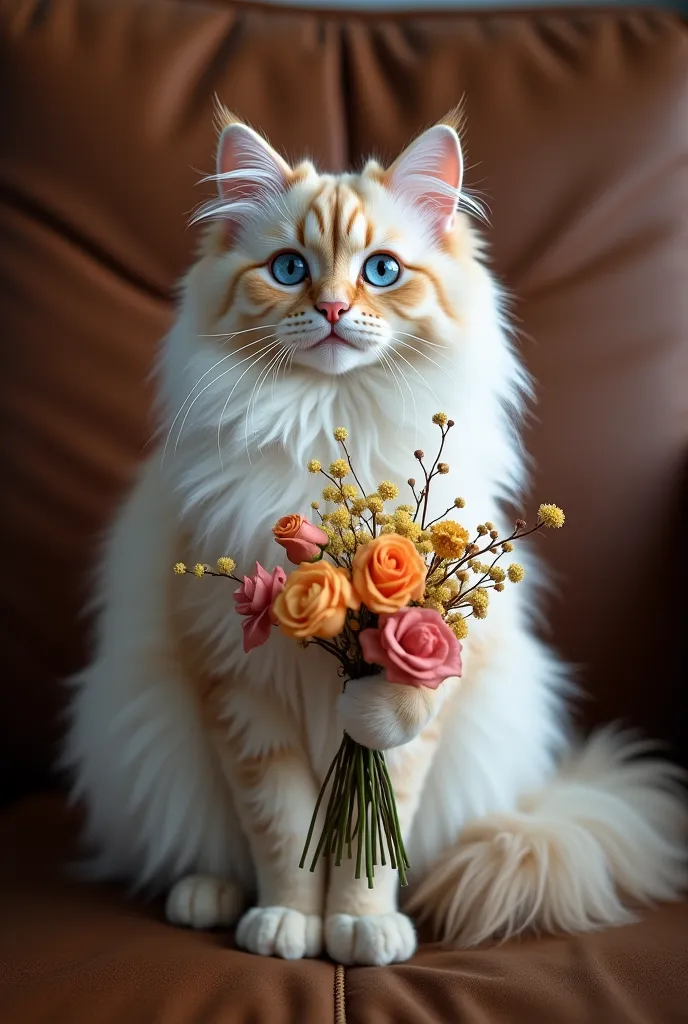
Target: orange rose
{"x": 314, "y": 601}
{"x": 388, "y": 573}
{"x": 300, "y": 538}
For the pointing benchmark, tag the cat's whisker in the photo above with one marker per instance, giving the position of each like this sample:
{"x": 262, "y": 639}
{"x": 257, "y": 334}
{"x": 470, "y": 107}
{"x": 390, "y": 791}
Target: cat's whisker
{"x": 235, "y": 334}
{"x": 253, "y": 398}
{"x": 406, "y": 381}
{"x": 424, "y": 341}
{"x": 219, "y": 377}
{"x": 229, "y": 355}
{"x": 389, "y": 369}
{"x": 415, "y": 369}
{"x": 419, "y": 352}
{"x": 288, "y": 354}
{"x": 263, "y": 353}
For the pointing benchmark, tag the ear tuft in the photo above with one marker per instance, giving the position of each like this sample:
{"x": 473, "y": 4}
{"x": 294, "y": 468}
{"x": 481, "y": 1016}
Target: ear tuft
{"x": 429, "y": 174}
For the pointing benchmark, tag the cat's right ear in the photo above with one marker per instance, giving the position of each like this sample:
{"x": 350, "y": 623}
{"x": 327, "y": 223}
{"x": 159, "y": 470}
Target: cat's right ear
{"x": 247, "y": 164}
{"x": 248, "y": 173}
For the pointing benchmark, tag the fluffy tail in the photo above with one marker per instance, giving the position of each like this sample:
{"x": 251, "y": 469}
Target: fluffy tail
{"x": 607, "y": 834}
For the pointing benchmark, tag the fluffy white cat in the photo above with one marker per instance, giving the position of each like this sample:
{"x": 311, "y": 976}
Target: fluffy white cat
{"x": 318, "y": 301}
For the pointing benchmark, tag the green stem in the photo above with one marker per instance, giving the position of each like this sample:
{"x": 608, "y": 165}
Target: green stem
{"x": 330, "y": 813}
{"x": 361, "y": 809}
{"x": 373, "y": 799}
{"x": 319, "y": 801}
{"x": 402, "y": 859}
{"x": 369, "y": 827}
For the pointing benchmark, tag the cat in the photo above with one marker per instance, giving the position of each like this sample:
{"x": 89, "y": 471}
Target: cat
{"x": 317, "y": 301}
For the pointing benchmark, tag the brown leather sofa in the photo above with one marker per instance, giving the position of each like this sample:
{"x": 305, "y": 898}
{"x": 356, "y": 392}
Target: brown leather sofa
{"x": 577, "y": 134}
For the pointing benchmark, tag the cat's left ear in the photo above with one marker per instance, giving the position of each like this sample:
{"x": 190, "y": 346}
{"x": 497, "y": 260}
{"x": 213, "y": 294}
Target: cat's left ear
{"x": 429, "y": 173}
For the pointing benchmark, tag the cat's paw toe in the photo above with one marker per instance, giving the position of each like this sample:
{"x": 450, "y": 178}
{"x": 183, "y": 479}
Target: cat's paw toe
{"x": 280, "y": 931}
{"x": 373, "y": 939}
{"x": 199, "y": 901}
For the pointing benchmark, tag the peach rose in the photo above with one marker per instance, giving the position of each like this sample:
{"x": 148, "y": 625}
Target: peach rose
{"x": 415, "y": 646}
{"x": 300, "y": 539}
{"x": 314, "y": 601}
{"x": 388, "y": 573}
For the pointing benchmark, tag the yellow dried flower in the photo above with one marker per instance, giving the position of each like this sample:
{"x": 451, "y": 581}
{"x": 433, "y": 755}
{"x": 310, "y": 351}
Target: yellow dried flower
{"x": 433, "y": 602}
{"x": 226, "y": 565}
{"x": 443, "y": 468}
{"x": 349, "y": 491}
{"x": 339, "y": 468}
{"x": 358, "y": 506}
{"x": 449, "y": 539}
{"x": 479, "y": 600}
{"x": 463, "y": 576}
{"x": 452, "y": 585}
{"x": 444, "y": 594}
{"x": 412, "y": 531}
{"x": 340, "y": 517}
{"x": 497, "y": 574}
{"x": 459, "y": 503}
{"x": 340, "y": 433}
{"x": 516, "y": 572}
{"x": 481, "y": 530}
{"x": 409, "y": 509}
{"x": 507, "y": 546}
{"x": 199, "y": 569}
{"x": 389, "y": 528}
{"x": 349, "y": 540}
{"x": 425, "y": 535}
{"x": 315, "y": 504}
{"x": 374, "y": 503}
{"x": 314, "y": 466}
{"x": 440, "y": 419}
{"x": 458, "y": 626}
{"x": 363, "y": 537}
{"x": 424, "y": 547}
{"x": 335, "y": 544}
{"x": 179, "y": 569}
{"x": 499, "y": 587}
{"x": 552, "y": 516}
{"x": 388, "y": 491}
{"x": 489, "y": 525}
{"x": 331, "y": 493}
{"x": 383, "y": 519}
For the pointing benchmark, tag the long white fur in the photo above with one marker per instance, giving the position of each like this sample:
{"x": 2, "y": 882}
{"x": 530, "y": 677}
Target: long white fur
{"x": 503, "y": 838}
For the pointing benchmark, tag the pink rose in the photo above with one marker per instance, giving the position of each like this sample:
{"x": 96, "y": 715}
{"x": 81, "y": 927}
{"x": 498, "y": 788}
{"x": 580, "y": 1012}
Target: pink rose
{"x": 415, "y": 646}
{"x": 300, "y": 539}
{"x": 254, "y": 599}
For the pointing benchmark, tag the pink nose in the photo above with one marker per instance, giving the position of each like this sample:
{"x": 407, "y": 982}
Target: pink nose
{"x": 332, "y": 310}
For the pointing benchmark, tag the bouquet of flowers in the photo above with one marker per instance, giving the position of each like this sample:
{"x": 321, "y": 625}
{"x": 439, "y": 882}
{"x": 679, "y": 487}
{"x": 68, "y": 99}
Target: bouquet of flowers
{"x": 379, "y": 590}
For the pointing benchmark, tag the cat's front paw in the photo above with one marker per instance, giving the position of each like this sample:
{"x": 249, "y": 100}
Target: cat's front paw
{"x": 280, "y": 931}
{"x": 382, "y": 715}
{"x": 200, "y": 901}
{"x": 374, "y": 939}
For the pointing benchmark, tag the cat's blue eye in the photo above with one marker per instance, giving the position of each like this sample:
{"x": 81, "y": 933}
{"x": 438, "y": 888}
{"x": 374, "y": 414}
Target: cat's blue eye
{"x": 289, "y": 268}
{"x": 381, "y": 269}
